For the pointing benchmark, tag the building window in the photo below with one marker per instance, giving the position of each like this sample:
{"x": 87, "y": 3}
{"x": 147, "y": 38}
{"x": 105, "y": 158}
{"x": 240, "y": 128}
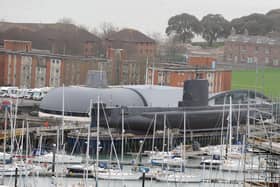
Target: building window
{"x": 256, "y": 59}
{"x": 266, "y": 60}
{"x": 250, "y": 60}
{"x": 257, "y": 48}
{"x": 267, "y": 50}
{"x": 275, "y": 62}
{"x": 235, "y": 59}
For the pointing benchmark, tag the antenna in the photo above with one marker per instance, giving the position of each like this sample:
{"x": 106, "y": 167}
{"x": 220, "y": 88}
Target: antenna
{"x": 146, "y": 78}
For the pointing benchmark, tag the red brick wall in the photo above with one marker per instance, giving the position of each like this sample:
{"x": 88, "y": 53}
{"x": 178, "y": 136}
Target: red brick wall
{"x": 2, "y": 68}
{"x": 33, "y": 71}
{"x": 48, "y": 71}
{"x": 239, "y": 52}
{"x": 111, "y": 55}
{"x": 14, "y": 45}
{"x": 18, "y": 70}
{"x": 222, "y": 79}
{"x": 201, "y": 61}
{"x": 5, "y": 78}
{"x": 62, "y": 72}
{"x": 88, "y": 49}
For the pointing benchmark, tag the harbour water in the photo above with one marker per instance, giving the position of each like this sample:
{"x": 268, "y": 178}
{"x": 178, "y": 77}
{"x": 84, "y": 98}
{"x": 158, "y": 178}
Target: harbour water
{"x": 207, "y": 176}
{"x": 72, "y": 182}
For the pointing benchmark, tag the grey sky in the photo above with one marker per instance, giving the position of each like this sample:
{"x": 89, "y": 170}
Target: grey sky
{"x": 146, "y": 15}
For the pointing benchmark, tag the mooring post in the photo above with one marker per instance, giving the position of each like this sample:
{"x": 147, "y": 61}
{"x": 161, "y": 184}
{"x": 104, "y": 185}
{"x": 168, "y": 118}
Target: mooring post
{"x": 143, "y": 180}
{"x": 16, "y": 175}
{"x": 53, "y": 161}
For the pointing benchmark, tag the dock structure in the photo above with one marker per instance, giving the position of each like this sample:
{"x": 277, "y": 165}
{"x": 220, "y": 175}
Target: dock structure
{"x": 265, "y": 136}
{"x": 268, "y": 145}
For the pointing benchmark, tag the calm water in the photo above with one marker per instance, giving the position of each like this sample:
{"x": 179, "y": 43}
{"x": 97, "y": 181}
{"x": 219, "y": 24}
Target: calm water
{"x": 33, "y": 181}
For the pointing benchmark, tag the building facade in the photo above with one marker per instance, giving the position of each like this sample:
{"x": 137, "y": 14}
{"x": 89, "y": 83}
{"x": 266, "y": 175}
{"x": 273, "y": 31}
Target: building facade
{"x": 121, "y": 70}
{"x": 76, "y": 69}
{"x": 22, "y": 67}
{"x": 246, "y": 49}
{"x": 133, "y": 42}
{"x": 174, "y": 75}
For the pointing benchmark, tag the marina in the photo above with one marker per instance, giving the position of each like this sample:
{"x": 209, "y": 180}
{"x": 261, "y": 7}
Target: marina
{"x": 138, "y": 135}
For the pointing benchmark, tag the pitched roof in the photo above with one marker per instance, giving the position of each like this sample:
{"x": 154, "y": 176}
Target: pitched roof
{"x": 254, "y": 39}
{"x": 129, "y": 35}
{"x": 65, "y": 36}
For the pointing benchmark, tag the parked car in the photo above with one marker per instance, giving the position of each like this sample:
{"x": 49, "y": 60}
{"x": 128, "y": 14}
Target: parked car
{"x": 18, "y": 93}
{"x": 28, "y": 94}
{"x": 7, "y": 91}
{"x": 3, "y": 94}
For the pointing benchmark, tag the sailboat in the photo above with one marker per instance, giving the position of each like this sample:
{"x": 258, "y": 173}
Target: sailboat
{"x": 9, "y": 167}
{"x": 182, "y": 176}
{"x": 60, "y": 156}
{"x": 109, "y": 173}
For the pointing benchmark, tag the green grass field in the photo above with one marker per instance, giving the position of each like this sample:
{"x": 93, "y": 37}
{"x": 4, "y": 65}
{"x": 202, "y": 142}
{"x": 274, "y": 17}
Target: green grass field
{"x": 267, "y": 81}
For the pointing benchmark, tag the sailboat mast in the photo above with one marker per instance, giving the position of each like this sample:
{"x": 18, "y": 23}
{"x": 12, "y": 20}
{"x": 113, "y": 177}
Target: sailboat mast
{"x": 5, "y": 132}
{"x": 154, "y": 133}
{"x": 184, "y": 143}
{"x": 164, "y": 128}
{"x": 97, "y": 138}
{"x": 88, "y": 141}
{"x": 122, "y": 136}
{"x": 230, "y": 123}
{"x": 62, "y": 128}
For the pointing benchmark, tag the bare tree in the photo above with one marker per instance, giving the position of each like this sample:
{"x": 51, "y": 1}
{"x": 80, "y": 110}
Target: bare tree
{"x": 107, "y": 29}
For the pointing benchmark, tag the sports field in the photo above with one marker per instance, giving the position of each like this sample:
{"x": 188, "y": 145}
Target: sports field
{"x": 265, "y": 80}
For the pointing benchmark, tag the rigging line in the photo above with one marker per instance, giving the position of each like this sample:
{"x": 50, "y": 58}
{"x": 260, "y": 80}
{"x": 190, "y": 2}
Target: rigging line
{"x": 76, "y": 142}
{"x": 145, "y": 137}
{"x": 110, "y": 134}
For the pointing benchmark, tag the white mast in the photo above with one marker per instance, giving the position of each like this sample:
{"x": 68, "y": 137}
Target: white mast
{"x": 5, "y": 132}
{"x": 62, "y": 129}
{"x": 184, "y": 143}
{"x": 88, "y": 141}
{"x": 154, "y": 133}
{"x": 230, "y": 123}
{"x": 164, "y": 127}
{"x": 97, "y": 138}
{"x": 122, "y": 136}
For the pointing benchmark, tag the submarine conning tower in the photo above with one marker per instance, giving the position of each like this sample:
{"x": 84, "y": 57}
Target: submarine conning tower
{"x": 195, "y": 93}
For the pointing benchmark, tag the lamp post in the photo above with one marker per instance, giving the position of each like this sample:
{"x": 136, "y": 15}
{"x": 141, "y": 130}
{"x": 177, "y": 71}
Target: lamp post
{"x": 53, "y": 161}
{"x": 141, "y": 142}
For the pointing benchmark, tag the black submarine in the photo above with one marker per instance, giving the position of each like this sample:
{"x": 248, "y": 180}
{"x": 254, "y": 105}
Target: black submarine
{"x": 194, "y": 111}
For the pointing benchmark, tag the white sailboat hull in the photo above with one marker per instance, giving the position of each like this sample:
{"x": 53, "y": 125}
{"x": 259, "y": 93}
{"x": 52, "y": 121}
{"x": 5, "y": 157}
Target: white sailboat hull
{"x": 178, "y": 178}
{"x": 59, "y": 159}
{"x": 111, "y": 174}
{"x": 10, "y": 170}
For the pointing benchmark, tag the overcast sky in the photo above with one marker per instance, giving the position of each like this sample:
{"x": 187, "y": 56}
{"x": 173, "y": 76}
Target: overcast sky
{"x": 148, "y": 16}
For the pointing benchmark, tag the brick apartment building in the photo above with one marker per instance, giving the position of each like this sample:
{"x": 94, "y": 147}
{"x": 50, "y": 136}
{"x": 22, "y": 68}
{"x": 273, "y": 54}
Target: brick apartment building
{"x": 23, "y": 67}
{"x": 76, "y": 68}
{"x": 175, "y": 75}
{"x": 123, "y": 71}
{"x": 133, "y": 42}
{"x": 252, "y": 50}
{"x": 128, "y": 51}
